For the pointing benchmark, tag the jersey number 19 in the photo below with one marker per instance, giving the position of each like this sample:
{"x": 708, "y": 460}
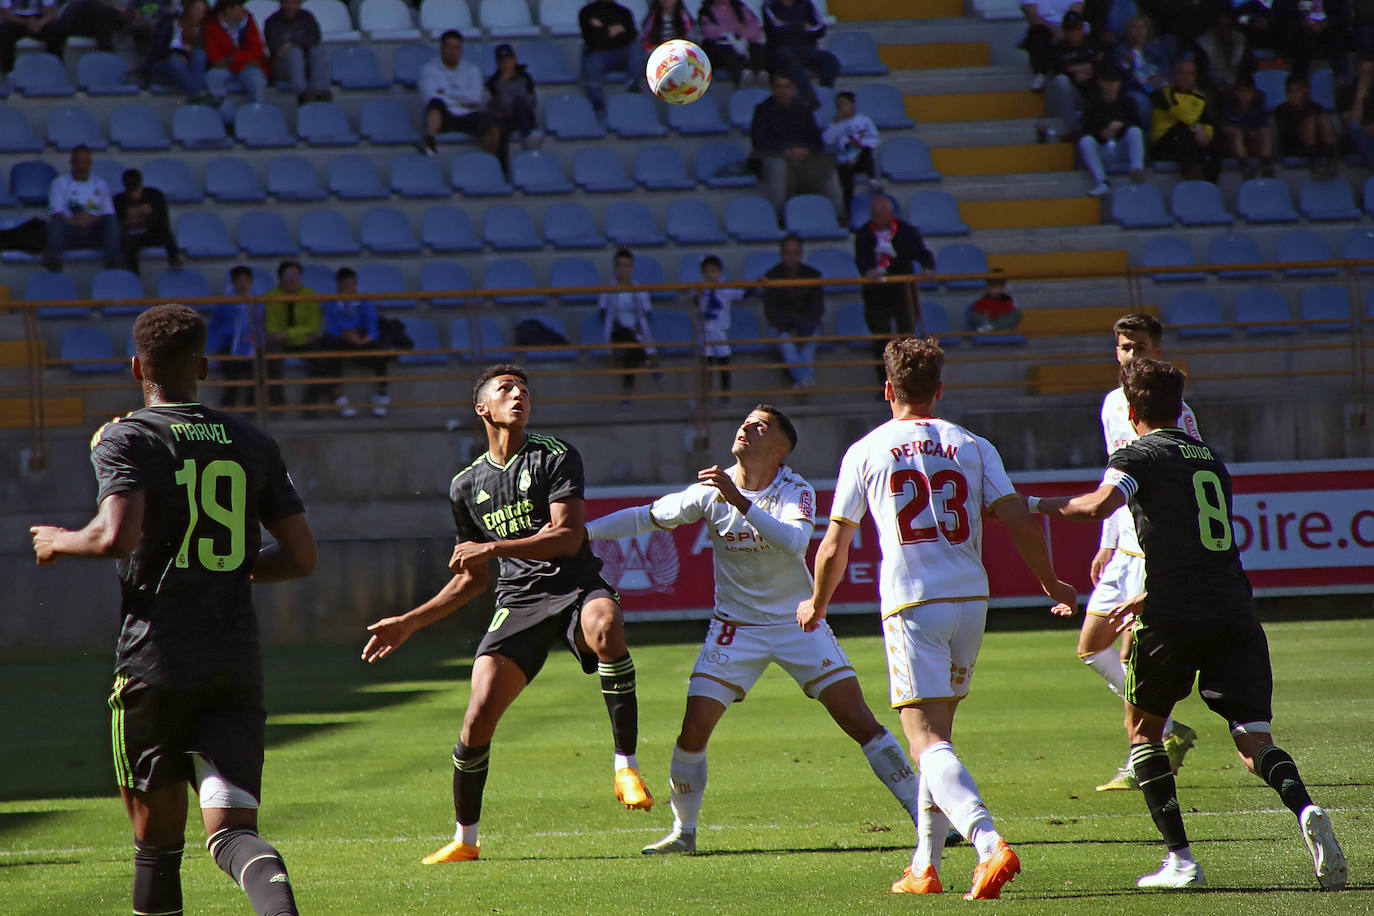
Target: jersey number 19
{"x": 231, "y": 517}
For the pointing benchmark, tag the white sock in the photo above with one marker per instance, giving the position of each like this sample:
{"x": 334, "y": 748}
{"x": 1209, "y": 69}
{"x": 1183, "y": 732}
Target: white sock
{"x": 1107, "y": 663}
{"x": 931, "y": 828}
{"x": 890, "y": 765}
{"x": 953, "y": 788}
{"x": 687, "y": 779}
{"x": 466, "y": 833}
{"x": 626, "y": 760}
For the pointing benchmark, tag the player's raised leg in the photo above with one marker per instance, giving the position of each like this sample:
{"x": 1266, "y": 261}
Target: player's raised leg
{"x": 844, "y": 700}
{"x": 603, "y": 632}
{"x": 687, "y": 774}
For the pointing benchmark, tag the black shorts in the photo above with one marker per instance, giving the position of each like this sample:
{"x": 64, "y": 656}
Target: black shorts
{"x": 155, "y": 730}
{"x": 475, "y": 123}
{"x": 1229, "y": 659}
{"x": 527, "y": 644}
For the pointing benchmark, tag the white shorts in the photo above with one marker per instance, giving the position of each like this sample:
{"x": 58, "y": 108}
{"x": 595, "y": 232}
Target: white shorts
{"x": 1122, "y": 579}
{"x": 734, "y": 657}
{"x": 931, "y": 649}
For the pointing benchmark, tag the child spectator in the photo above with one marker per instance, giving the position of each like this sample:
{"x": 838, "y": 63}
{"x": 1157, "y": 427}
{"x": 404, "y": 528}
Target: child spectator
{"x": 1107, "y": 124}
{"x": 1305, "y": 129}
{"x": 232, "y": 333}
{"x": 350, "y": 326}
{"x": 665, "y": 20}
{"x": 626, "y": 321}
{"x": 715, "y": 305}
{"x": 1245, "y": 128}
{"x": 995, "y": 311}
{"x": 854, "y": 137}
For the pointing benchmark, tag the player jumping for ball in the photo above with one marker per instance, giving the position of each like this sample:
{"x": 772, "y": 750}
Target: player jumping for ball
{"x": 928, "y": 483}
{"x": 522, "y": 503}
{"x": 1196, "y": 620}
{"x": 760, "y": 514}
{"x": 183, "y": 491}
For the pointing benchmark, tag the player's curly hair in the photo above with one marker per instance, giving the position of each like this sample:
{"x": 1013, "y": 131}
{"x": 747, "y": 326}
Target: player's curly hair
{"x": 167, "y": 335}
{"x": 1154, "y": 389}
{"x": 914, "y": 366}
{"x": 492, "y": 372}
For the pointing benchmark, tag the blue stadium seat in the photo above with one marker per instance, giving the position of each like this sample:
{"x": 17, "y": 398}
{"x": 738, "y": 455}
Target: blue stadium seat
{"x": 198, "y": 127}
{"x": 752, "y": 219}
{"x": 860, "y": 209}
{"x": 691, "y": 221}
{"x": 536, "y": 172}
{"x": 261, "y": 126}
{"x": 326, "y": 233}
{"x": 448, "y": 229}
{"x": 324, "y": 124}
{"x": 292, "y": 177}
{"x": 598, "y": 170}
{"x": 173, "y": 179}
{"x": 30, "y": 181}
{"x": 1169, "y": 251}
{"x": 384, "y": 230}
{"x": 1358, "y": 244}
{"x": 318, "y": 277}
{"x": 1327, "y": 200}
{"x": 1194, "y": 306}
{"x": 46, "y": 286}
{"x": 1265, "y": 200}
{"x": 744, "y": 325}
{"x": 377, "y": 278}
{"x": 69, "y": 127}
{"x": 492, "y": 346}
{"x": 858, "y": 54}
{"x": 554, "y": 324}
{"x": 1270, "y": 82}
{"x": 812, "y": 217}
{"x": 660, "y": 168}
{"x": 835, "y": 264}
{"x": 417, "y": 175}
{"x": 117, "y": 285}
{"x": 511, "y": 273}
{"x": 231, "y": 179}
{"x": 460, "y": 337}
{"x": 632, "y": 114}
{"x": 592, "y": 330}
{"x": 352, "y": 176}
{"x": 673, "y": 332}
{"x": 111, "y": 170}
{"x": 545, "y": 62}
{"x": 386, "y": 121}
{"x": 1198, "y": 203}
{"x": 102, "y": 73}
{"x": 824, "y": 112}
{"x": 387, "y": 20}
{"x": 479, "y": 174}
{"x": 849, "y": 322}
{"x": 935, "y": 321}
{"x": 1325, "y": 309}
{"x": 1235, "y": 248}
{"x": 263, "y": 233}
{"x": 137, "y": 127}
{"x": 961, "y": 258}
{"x": 182, "y": 284}
{"x": 1323, "y": 88}
{"x": 202, "y": 235}
{"x": 574, "y": 272}
{"x": 936, "y": 213}
{"x": 649, "y": 270}
{"x": 1368, "y": 195}
{"x": 907, "y": 159}
{"x": 409, "y": 60}
{"x": 87, "y": 342}
{"x": 697, "y": 120}
{"x": 355, "y": 67}
{"x": 884, "y": 105}
{"x": 424, "y": 336}
{"x": 503, "y": 19}
{"x": 629, "y": 222}
{"x": 723, "y": 165}
{"x": 758, "y": 263}
{"x": 507, "y": 227}
{"x": 1257, "y": 306}
{"x": 41, "y": 76}
{"x": 559, "y": 17}
{"x": 568, "y": 224}
{"x": 570, "y": 117}
{"x": 444, "y": 276}
{"x": 1139, "y": 206}
{"x": 16, "y": 132}
{"x": 742, "y": 105}
{"x": 1304, "y": 245}
{"x": 336, "y": 24}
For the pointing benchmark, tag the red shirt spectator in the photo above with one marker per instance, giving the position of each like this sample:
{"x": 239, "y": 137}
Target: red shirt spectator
{"x": 232, "y": 37}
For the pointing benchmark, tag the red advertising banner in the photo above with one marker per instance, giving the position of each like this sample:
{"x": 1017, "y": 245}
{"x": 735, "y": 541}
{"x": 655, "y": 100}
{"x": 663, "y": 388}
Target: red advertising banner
{"x": 1302, "y": 528}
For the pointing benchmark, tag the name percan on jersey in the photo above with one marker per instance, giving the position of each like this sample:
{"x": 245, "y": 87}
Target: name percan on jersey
{"x": 210, "y": 482}
{"x": 1118, "y": 431}
{"x": 927, "y": 483}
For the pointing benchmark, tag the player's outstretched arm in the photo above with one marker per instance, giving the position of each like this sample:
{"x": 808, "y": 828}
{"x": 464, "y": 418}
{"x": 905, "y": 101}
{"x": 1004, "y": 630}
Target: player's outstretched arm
{"x": 622, "y": 523}
{"x": 1088, "y": 507}
{"x": 832, "y": 557}
{"x": 561, "y": 537}
{"x": 1029, "y": 538}
{"x": 294, "y": 554}
{"x": 389, "y": 632}
{"x": 792, "y": 536}
{"x": 114, "y": 532}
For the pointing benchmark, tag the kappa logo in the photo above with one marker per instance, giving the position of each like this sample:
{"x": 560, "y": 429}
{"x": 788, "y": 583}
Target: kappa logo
{"x": 524, "y": 482}
{"x": 482, "y": 496}
{"x": 644, "y": 563}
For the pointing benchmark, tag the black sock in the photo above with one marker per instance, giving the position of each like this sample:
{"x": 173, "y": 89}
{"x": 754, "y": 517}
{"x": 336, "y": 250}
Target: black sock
{"x": 1276, "y": 767}
{"x": 157, "y": 879}
{"x": 618, "y": 690}
{"x": 256, "y": 867}
{"x": 469, "y": 781}
{"x": 1156, "y": 777}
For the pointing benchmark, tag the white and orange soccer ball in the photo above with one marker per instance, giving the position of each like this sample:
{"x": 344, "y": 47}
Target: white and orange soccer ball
{"x": 678, "y": 71}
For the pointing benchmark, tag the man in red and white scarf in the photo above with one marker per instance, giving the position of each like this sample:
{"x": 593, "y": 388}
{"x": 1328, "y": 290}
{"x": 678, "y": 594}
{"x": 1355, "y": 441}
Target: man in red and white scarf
{"x": 887, "y": 247}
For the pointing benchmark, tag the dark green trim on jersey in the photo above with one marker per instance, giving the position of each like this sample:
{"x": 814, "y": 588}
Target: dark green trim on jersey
{"x": 557, "y": 446}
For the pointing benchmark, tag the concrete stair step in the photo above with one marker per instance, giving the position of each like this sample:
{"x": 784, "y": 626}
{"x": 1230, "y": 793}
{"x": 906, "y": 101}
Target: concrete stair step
{"x": 883, "y": 10}
{"x": 936, "y": 54}
{"x": 975, "y": 106}
{"x": 1064, "y": 263}
{"x": 1003, "y": 160}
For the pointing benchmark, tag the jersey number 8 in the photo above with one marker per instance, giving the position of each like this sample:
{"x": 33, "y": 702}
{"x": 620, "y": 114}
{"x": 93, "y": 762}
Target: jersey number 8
{"x": 231, "y": 516}
{"x": 1211, "y": 508}
{"x": 952, "y": 502}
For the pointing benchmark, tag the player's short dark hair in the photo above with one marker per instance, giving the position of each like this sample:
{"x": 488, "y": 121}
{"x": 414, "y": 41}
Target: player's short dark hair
{"x": 492, "y": 372}
{"x": 284, "y": 266}
{"x": 1139, "y": 323}
{"x": 846, "y": 95}
{"x": 345, "y": 273}
{"x": 784, "y": 422}
{"x": 1154, "y": 389}
{"x": 623, "y": 253}
{"x": 241, "y": 270}
{"x": 131, "y": 179}
{"x": 168, "y": 335}
{"x": 451, "y": 33}
{"x": 711, "y": 261}
{"x": 914, "y": 365}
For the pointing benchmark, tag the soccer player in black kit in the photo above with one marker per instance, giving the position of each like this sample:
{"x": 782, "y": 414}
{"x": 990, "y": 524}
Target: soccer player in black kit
{"x": 522, "y": 502}
{"x": 1195, "y": 621}
{"x": 183, "y": 490}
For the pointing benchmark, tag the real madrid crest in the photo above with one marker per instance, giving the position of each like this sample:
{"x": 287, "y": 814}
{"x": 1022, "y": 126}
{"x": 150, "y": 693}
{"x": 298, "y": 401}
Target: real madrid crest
{"x": 524, "y": 482}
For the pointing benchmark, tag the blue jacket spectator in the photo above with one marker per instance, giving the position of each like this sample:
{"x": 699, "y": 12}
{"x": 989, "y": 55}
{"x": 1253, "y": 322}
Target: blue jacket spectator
{"x": 351, "y": 326}
{"x": 233, "y": 332}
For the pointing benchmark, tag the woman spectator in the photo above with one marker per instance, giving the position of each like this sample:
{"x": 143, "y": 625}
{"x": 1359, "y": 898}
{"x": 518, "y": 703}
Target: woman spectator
{"x": 1144, "y": 64}
{"x": 666, "y": 20}
{"x": 176, "y": 56}
{"x": 731, "y": 35}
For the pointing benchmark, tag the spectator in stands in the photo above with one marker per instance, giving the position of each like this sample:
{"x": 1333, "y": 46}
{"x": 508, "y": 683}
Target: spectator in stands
{"x": 350, "y": 326}
{"x": 1044, "y": 19}
{"x": 1356, "y": 105}
{"x": 293, "y": 323}
{"x": 794, "y": 30}
{"x": 300, "y": 63}
{"x": 1145, "y": 64}
{"x": 36, "y": 19}
{"x": 666, "y": 20}
{"x": 1108, "y": 126}
{"x": 455, "y": 98}
{"x": 853, "y": 137}
{"x": 1075, "y": 60}
{"x": 81, "y": 213}
{"x": 994, "y": 310}
{"x": 1266, "y": 25}
{"x": 608, "y": 42}
{"x": 176, "y": 52}
{"x": 232, "y": 332}
{"x": 30, "y": 236}
{"x": 1363, "y": 21}
{"x": 788, "y": 145}
{"x": 625, "y": 316}
{"x": 887, "y": 247}
{"x": 794, "y": 312}
{"x": 730, "y": 36}
{"x": 1180, "y": 22}
{"x": 91, "y": 19}
{"x": 143, "y": 221}
{"x": 1183, "y": 128}
{"x": 1305, "y": 128}
{"x": 141, "y": 18}
{"x": 1325, "y": 29}
{"x": 1245, "y": 130}
{"x": 713, "y": 305}
{"x": 235, "y": 52}
{"x": 511, "y": 90}
{"x": 1223, "y": 55}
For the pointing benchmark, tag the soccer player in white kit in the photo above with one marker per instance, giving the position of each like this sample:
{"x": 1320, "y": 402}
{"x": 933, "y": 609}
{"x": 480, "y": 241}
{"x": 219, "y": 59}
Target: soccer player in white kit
{"x": 1118, "y": 569}
{"x": 928, "y": 483}
{"x": 760, "y": 514}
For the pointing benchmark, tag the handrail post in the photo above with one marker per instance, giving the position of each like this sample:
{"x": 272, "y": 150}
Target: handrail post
{"x": 257, "y": 327}
{"x": 38, "y": 421}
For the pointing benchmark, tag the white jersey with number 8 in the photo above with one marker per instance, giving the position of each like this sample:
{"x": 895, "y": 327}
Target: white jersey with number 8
{"x": 927, "y": 482}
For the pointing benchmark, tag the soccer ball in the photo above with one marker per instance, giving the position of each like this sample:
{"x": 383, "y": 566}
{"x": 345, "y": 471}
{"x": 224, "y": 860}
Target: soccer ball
{"x": 678, "y": 72}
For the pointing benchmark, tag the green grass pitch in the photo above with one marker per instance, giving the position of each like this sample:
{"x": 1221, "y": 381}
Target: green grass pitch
{"x": 358, "y": 789}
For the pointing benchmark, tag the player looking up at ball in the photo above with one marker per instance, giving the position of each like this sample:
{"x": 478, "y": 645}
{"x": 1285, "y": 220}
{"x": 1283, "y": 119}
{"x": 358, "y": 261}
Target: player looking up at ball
{"x": 522, "y": 503}
{"x": 760, "y": 515}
